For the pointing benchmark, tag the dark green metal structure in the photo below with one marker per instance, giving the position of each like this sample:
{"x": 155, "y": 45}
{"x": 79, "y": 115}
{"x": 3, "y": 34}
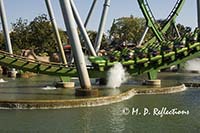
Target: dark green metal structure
{"x": 150, "y": 64}
{"x": 151, "y": 21}
{"x": 169, "y": 53}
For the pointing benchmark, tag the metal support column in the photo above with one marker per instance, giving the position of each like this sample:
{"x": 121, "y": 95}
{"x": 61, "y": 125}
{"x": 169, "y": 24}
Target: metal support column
{"x": 176, "y": 28}
{"x": 102, "y": 25}
{"x": 58, "y": 39}
{"x": 12, "y": 72}
{"x": 198, "y": 12}
{"x": 76, "y": 45}
{"x": 5, "y": 27}
{"x": 143, "y": 36}
{"x": 90, "y": 13}
{"x": 82, "y": 29}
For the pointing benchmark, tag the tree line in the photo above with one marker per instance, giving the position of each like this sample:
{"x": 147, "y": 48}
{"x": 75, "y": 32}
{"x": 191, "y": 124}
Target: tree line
{"x": 39, "y": 36}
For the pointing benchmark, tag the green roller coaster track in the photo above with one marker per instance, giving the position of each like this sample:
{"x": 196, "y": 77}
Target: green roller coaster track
{"x": 152, "y": 64}
{"x": 101, "y": 64}
{"x": 151, "y": 22}
{"x": 138, "y": 65}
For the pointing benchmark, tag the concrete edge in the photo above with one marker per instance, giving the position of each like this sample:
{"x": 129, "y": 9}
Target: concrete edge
{"x": 89, "y": 102}
{"x": 164, "y": 90}
{"x": 189, "y": 84}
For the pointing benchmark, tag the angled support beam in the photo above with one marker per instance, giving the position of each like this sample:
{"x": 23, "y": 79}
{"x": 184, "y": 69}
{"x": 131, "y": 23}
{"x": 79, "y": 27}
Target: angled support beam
{"x": 5, "y": 27}
{"x": 11, "y": 73}
{"x": 90, "y": 13}
{"x": 102, "y": 25}
{"x": 82, "y": 29}
{"x": 150, "y": 20}
{"x": 53, "y": 21}
{"x": 176, "y": 28}
{"x": 143, "y": 36}
{"x": 198, "y": 13}
{"x": 75, "y": 43}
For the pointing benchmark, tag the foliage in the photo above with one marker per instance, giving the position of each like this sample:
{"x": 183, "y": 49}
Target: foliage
{"x": 20, "y": 35}
{"x": 171, "y": 33}
{"x": 92, "y": 35}
{"x": 2, "y": 46}
{"x": 128, "y": 29}
{"x": 37, "y": 35}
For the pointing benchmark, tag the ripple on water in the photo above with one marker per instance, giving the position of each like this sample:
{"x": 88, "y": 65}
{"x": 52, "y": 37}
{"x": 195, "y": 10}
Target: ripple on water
{"x": 49, "y": 88}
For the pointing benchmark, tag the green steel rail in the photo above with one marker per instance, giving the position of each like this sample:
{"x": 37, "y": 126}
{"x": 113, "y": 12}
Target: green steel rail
{"x": 151, "y": 63}
{"x": 55, "y": 69}
{"x": 151, "y": 22}
{"x": 173, "y": 14}
{"x": 170, "y": 19}
{"x": 100, "y": 65}
{"x": 36, "y": 66}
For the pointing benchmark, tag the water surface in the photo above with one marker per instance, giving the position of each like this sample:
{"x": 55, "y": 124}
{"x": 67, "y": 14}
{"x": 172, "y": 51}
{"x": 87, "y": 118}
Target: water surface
{"x": 108, "y": 118}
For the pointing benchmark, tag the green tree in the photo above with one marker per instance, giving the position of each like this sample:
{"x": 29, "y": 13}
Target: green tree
{"x": 42, "y": 36}
{"x": 20, "y": 35}
{"x": 171, "y": 33}
{"x": 92, "y": 35}
{"x": 128, "y": 29}
{"x": 37, "y": 35}
{"x": 2, "y": 42}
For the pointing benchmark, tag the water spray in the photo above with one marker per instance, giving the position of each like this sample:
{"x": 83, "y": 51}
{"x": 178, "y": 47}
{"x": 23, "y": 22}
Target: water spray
{"x": 116, "y": 76}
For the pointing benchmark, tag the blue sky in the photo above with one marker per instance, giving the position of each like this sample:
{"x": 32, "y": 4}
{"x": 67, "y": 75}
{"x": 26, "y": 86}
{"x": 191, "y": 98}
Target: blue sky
{"x": 28, "y": 9}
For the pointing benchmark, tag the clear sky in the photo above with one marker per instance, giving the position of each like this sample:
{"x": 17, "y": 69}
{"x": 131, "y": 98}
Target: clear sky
{"x": 28, "y": 9}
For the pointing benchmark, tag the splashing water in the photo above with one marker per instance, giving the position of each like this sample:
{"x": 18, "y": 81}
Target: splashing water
{"x": 193, "y": 65}
{"x": 116, "y": 76}
{"x": 49, "y": 88}
{"x": 2, "y": 81}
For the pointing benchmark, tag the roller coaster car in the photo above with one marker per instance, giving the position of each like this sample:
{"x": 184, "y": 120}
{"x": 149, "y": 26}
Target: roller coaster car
{"x": 154, "y": 55}
{"x": 139, "y": 53}
{"x": 166, "y": 49}
{"x": 114, "y": 56}
{"x": 153, "y": 52}
{"x": 179, "y": 47}
{"x": 129, "y": 56}
{"x": 98, "y": 62}
{"x": 194, "y": 37}
{"x": 194, "y": 47}
{"x": 179, "y": 43}
{"x": 190, "y": 38}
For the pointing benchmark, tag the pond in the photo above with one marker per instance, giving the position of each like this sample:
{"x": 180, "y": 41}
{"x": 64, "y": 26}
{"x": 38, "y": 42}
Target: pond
{"x": 114, "y": 118}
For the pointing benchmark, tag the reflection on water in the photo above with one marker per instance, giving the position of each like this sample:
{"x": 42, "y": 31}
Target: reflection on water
{"x": 38, "y": 87}
{"x": 49, "y": 88}
{"x": 117, "y": 120}
{"x": 2, "y": 81}
{"x": 107, "y": 118}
